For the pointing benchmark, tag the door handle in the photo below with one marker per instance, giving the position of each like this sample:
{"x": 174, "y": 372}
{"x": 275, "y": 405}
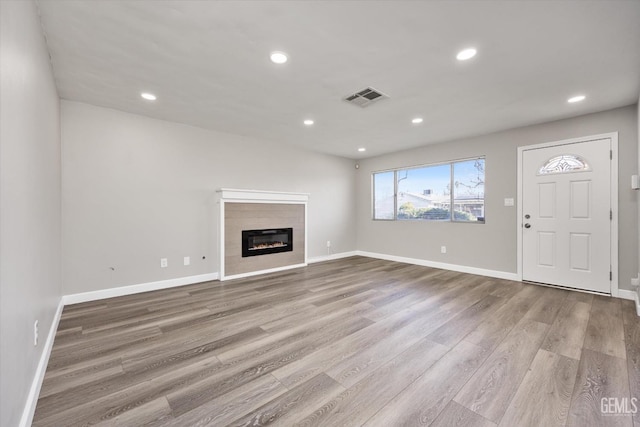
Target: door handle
{"x": 527, "y": 225}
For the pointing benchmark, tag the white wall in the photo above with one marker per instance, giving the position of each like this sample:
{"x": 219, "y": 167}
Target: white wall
{"x": 137, "y": 189}
{"x": 492, "y": 246}
{"x": 30, "y": 277}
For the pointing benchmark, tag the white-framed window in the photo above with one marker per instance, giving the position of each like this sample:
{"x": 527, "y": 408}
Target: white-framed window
{"x": 431, "y": 192}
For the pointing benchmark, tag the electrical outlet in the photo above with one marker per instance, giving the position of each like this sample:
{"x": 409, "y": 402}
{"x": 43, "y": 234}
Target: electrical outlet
{"x": 328, "y": 243}
{"x": 187, "y": 260}
{"x": 443, "y": 249}
{"x": 163, "y": 262}
{"x": 35, "y": 333}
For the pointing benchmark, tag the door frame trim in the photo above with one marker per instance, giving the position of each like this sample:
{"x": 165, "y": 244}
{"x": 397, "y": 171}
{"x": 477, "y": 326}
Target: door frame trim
{"x": 613, "y": 136}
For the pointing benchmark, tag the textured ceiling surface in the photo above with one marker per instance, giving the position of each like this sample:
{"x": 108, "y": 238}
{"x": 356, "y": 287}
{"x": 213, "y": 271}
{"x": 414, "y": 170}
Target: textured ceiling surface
{"x": 208, "y": 63}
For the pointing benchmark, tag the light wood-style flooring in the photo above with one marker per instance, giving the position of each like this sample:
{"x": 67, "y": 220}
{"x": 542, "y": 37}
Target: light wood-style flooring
{"x": 351, "y": 342}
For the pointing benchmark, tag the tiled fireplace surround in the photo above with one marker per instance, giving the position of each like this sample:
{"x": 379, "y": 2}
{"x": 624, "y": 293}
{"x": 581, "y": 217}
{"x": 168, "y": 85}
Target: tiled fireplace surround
{"x": 254, "y": 210}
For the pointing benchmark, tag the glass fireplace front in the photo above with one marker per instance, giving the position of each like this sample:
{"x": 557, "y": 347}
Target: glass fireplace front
{"x": 267, "y": 241}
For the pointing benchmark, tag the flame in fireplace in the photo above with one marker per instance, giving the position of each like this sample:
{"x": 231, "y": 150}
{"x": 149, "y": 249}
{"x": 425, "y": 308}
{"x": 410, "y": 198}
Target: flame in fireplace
{"x": 267, "y": 246}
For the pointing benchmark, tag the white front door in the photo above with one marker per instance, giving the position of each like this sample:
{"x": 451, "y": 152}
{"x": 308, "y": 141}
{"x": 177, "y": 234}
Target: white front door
{"x": 566, "y": 208}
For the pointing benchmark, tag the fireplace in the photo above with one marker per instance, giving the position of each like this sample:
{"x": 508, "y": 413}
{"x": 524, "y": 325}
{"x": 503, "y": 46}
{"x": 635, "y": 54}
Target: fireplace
{"x": 253, "y": 211}
{"x": 268, "y": 241}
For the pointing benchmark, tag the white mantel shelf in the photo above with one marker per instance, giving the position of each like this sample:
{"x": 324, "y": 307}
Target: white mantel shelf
{"x": 233, "y": 195}
{"x": 262, "y": 196}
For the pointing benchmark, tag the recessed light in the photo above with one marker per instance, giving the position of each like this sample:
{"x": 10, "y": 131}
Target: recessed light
{"x": 308, "y": 122}
{"x": 577, "y": 98}
{"x": 465, "y": 54}
{"x": 416, "y": 120}
{"x": 279, "y": 57}
{"x": 148, "y": 96}
{"x": 361, "y": 149}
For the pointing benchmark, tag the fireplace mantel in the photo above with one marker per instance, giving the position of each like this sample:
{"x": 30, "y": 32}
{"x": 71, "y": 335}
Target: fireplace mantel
{"x": 255, "y": 209}
{"x": 232, "y": 194}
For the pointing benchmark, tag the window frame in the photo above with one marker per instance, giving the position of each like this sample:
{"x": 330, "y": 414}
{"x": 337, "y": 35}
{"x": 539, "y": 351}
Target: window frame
{"x": 451, "y": 164}
{"x": 395, "y": 195}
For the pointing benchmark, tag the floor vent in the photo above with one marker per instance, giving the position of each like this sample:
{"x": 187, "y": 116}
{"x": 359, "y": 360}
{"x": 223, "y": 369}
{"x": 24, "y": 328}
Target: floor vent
{"x": 365, "y": 97}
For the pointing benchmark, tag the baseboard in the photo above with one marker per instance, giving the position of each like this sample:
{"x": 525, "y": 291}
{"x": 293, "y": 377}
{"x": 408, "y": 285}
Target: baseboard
{"x": 34, "y": 390}
{"x": 631, "y": 295}
{"x": 332, "y": 257}
{"x": 442, "y": 265}
{"x": 136, "y": 289}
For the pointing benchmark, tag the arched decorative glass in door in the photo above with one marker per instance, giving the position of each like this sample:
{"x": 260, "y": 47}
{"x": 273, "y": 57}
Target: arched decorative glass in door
{"x": 564, "y": 164}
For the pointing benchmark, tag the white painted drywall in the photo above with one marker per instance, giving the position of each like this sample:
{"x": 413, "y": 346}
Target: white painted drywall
{"x": 137, "y": 189}
{"x": 492, "y": 246}
{"x": 30, "y": 278}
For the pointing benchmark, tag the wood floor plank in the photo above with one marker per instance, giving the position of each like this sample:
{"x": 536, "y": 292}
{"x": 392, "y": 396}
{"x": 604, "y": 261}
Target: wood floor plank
{"x": 357, "y": 366}
{"x": 423, "y": 400}
{"x": 491, "y": 388}
{"x": 507, "y": 288}
{"x": 74, "y": 333}
{"x": 294, "y": 404}
{"x": 221, "y": 327}
{"x": 86, "y": 366}
{"x": 232, "y": 314}
{"x": 629, "y": 314}
{"x": 349, "y": 289}
{"x": 605, "y": 331}
{"x": 580, "y": 297}
{"x": 165, "y": 353}
{"x": 457, "y": 328}
{"x": 89, "y": 350}
{"x": 342, "y": 342}
{"x": 492, "y": 330}
{"x": 233, "y": 405}
{"x": 72, "y": 379}
{"x": 95, "y": 387}
{"x": 544, "y": 395}
{"x": 246, "y": 368}
{"x": 153, "y": 318}
{"x": 548, "y": 305}
{"x": 600, "y": 376}
{"x": 360, "y": 402}
{"x": 303, "y": 329}
{"x": 382, "y": 310}
{"x": 322, "y": 359}
{"x": 292, "y": 320}
{"x": 154, "y": 413}
{"x": 427, "y": 317}
{"x": 632, "y": 343}
{"x": 111, "y": 405}
{"x": 567, "y": 332}
{"x": 456, "y": 415}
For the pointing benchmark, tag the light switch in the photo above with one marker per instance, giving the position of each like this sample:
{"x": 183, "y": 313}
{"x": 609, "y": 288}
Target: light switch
{"x": 508, "y": 201}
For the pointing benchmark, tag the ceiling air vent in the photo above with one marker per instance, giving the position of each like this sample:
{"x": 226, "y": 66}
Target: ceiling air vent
{"x": 365, "y": 97}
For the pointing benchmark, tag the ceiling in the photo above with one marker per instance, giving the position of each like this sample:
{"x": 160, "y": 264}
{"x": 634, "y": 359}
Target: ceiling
{"x": 208, "y": 63}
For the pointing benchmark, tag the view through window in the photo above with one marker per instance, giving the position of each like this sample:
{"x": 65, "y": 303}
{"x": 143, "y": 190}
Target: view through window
{"x": 431, "y": 192}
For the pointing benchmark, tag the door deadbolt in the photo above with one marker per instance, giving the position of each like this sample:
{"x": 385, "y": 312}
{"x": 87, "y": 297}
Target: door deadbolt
{"x": 527, "y": 216}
